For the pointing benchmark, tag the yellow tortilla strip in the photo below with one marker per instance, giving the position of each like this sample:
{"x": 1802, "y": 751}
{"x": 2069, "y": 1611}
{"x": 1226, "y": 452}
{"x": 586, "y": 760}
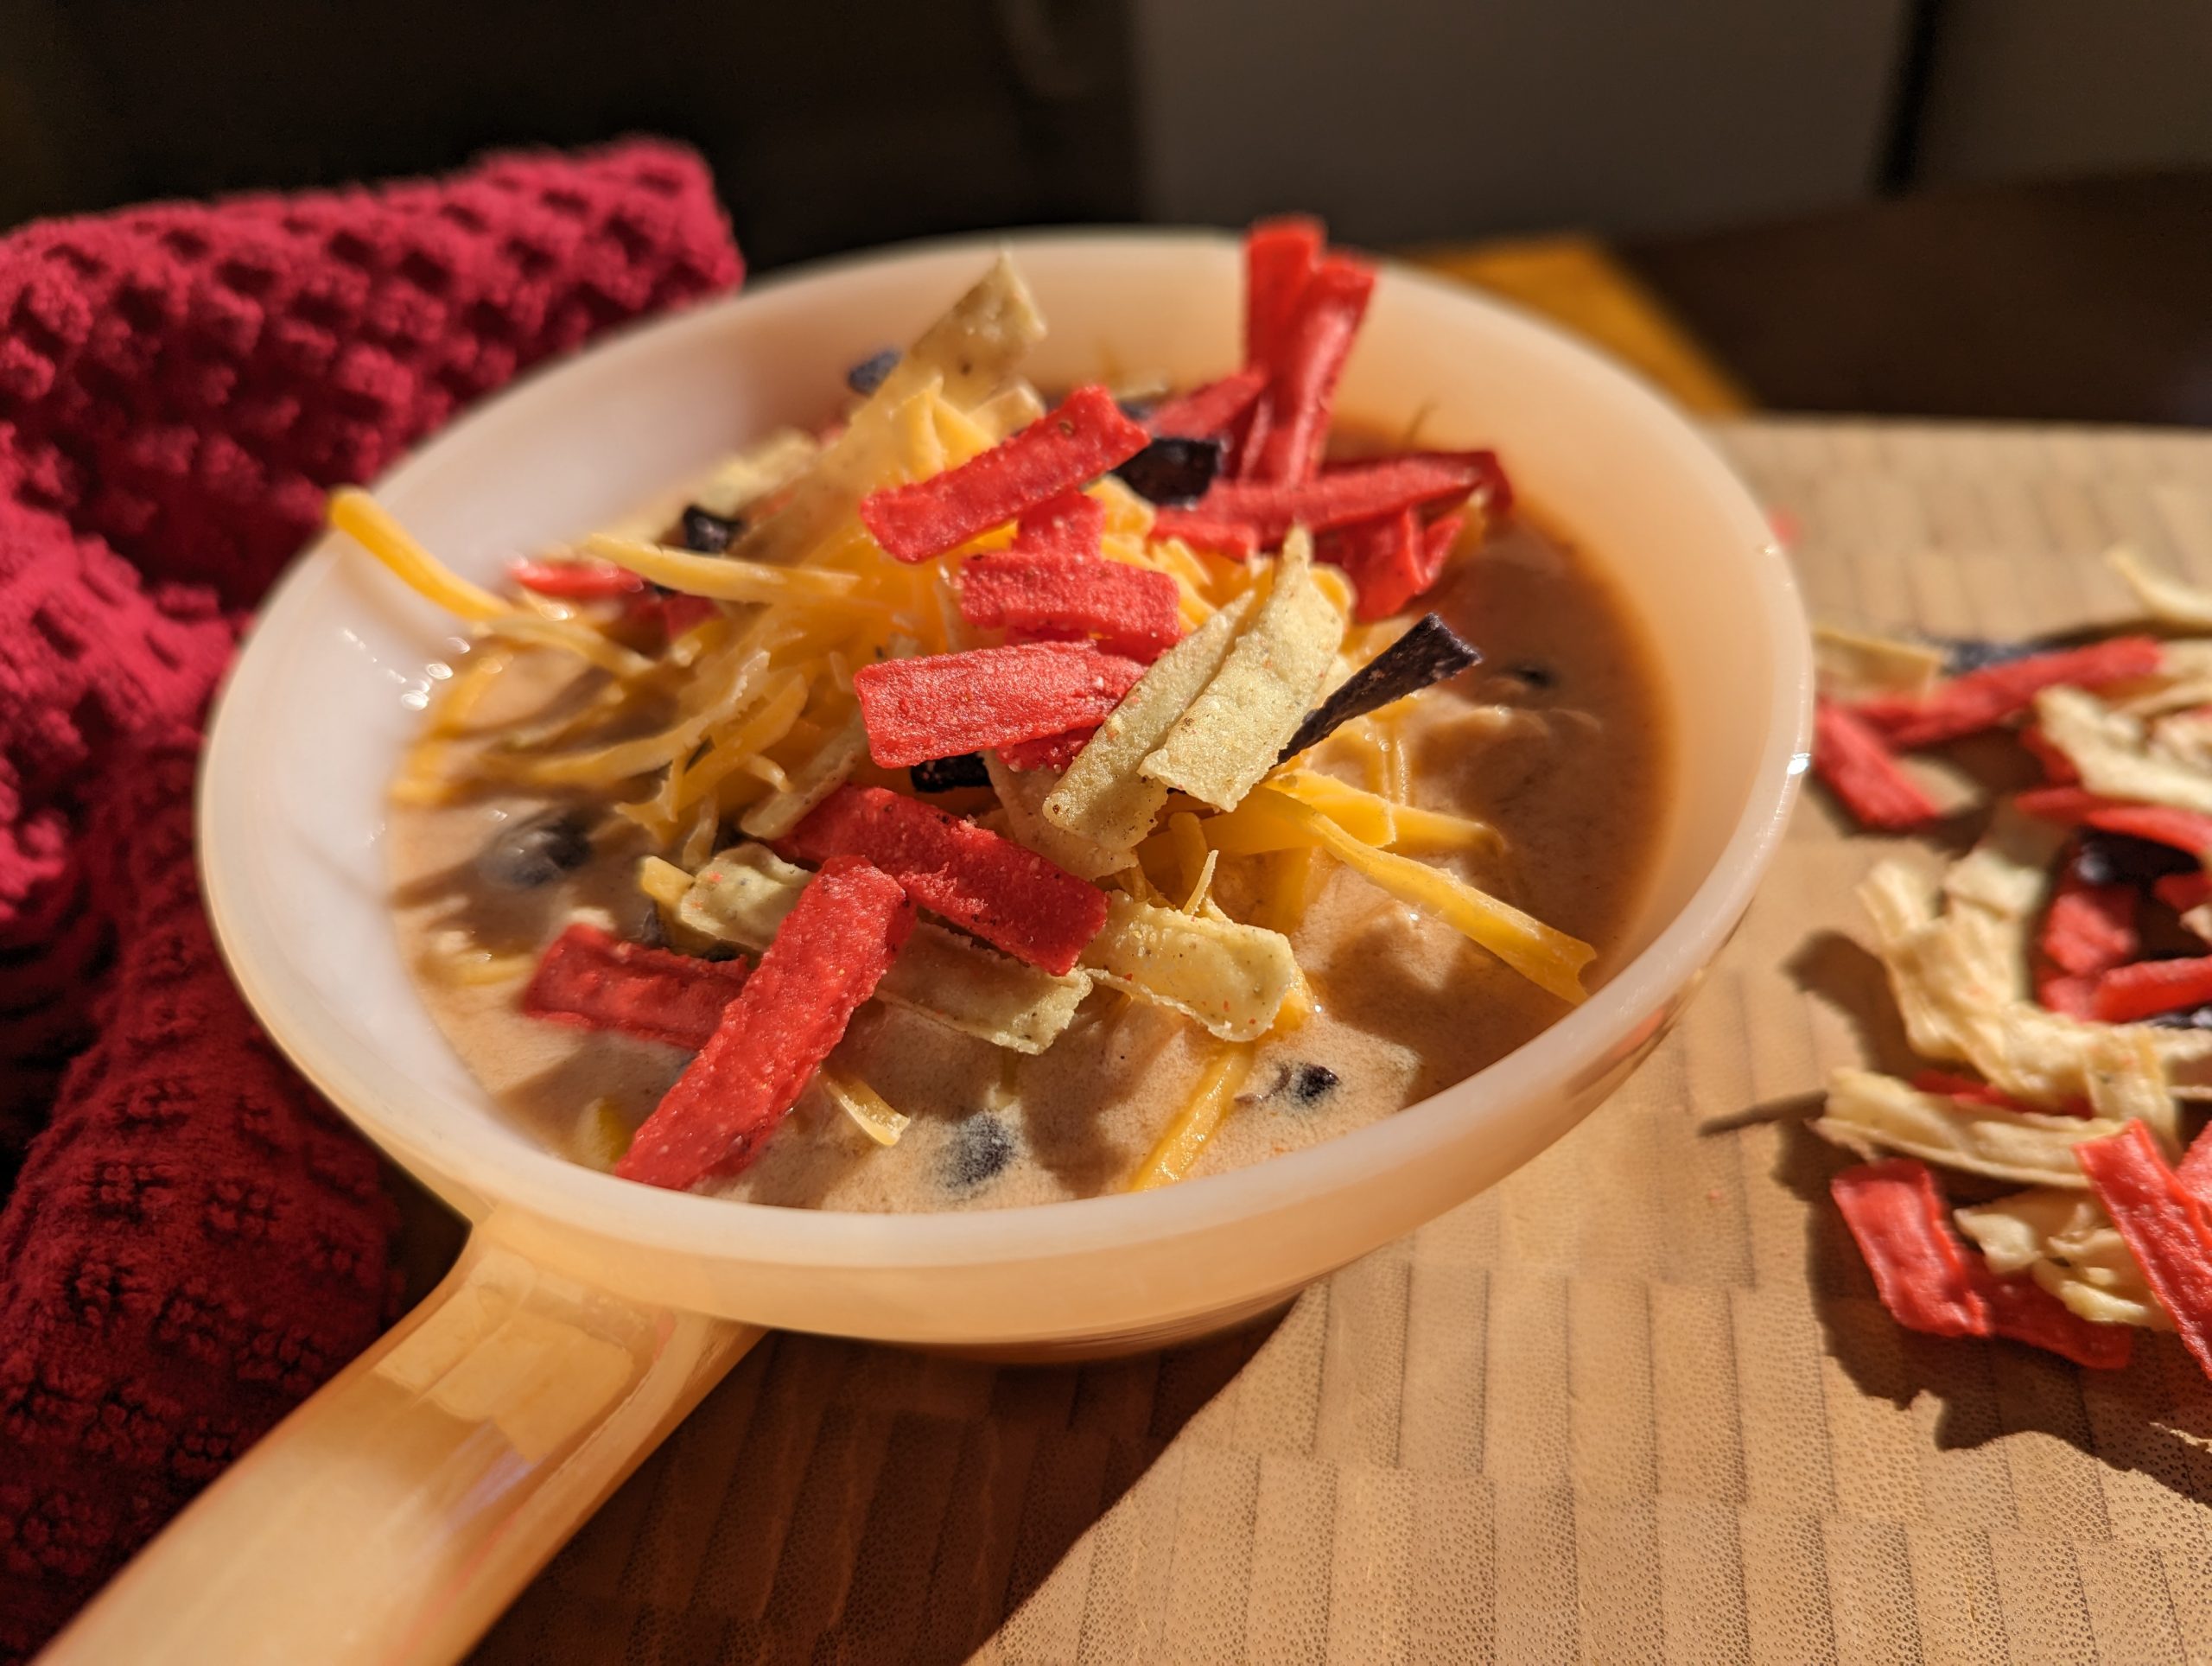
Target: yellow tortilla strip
{"x": 1867, "y": 1113}
{"x": 2110, "y": 749}
{"x": 1234, "y": 731}
{"x": 1549, "y": 959}
{"x": 1851, "y": 666}
{"x": 2165, "y": 598}
{"x": 812, "y": 782}
{"x": 742, "y": 895}
{"x": 2068, "y": 1244}
{"x": 1231, "y": 979}
{"x": 1105, "y": 797}
{"x": 968, "y": 353}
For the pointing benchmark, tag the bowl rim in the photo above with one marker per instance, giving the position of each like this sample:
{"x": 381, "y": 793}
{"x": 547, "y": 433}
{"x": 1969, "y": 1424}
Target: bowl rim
{"x": 535, "y": 1179}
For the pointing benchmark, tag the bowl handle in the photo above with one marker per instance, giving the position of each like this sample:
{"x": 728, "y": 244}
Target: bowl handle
{"x": 396, "y": 1515}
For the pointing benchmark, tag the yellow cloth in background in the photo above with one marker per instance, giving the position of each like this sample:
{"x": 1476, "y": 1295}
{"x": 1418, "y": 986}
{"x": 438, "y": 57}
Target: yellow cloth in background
{"x": 1575, "y": 283}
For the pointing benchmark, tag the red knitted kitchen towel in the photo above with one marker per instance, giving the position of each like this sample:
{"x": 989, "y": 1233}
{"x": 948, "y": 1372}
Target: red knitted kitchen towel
{"x": 194, "y": 1242}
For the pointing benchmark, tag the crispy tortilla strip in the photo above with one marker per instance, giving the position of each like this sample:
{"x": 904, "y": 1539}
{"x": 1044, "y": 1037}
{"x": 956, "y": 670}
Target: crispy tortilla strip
{"x": 1959, "y": 975}
{"x": 2165, "y": 598}
{"x": 1105, "y": 797}
{"x": 1232, "y": 979}
{"x": 742, "y": 895}
{"x": 2068, "y": 1244}
{"x": 1867, "y": 1114}
{"x": 1852, "y": 667}
{"x": 1022, "y": 794}
{"x": 1234, "y": 731}
{"x": 1548, "y": 958}
{"x": 822, "y": 774}
{"x": 2110, "y": 750}
{"x": 970, "y": 353}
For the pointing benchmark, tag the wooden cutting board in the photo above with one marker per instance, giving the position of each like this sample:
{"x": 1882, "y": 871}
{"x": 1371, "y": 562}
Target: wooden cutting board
{"x": 1638, "y": 1403}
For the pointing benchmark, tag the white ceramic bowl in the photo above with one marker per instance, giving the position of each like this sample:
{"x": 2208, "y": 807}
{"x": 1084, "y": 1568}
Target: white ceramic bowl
{"x": 328, "y": 693}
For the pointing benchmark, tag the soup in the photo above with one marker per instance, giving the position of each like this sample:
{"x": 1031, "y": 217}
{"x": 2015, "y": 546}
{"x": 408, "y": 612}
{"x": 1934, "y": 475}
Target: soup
{"x": 1530, "y": 787}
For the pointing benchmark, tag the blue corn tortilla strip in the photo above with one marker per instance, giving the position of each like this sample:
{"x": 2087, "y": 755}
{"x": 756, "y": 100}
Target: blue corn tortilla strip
{"x": 1962, "y": 654}
{"x": 868, "y": 375}
{"x": 950, "y": 774}
{"x": 1427, "y": 654}
{"x": 1172, "y": 472}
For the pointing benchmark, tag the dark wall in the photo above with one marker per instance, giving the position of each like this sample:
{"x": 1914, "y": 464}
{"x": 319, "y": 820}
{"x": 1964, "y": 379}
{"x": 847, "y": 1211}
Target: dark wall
{"x": 828, "y": 126}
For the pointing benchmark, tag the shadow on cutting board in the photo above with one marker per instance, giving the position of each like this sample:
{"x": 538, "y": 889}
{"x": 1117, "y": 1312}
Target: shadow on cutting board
{"x": 835, "y": 1500}
{"x": 2155, "y": 1416}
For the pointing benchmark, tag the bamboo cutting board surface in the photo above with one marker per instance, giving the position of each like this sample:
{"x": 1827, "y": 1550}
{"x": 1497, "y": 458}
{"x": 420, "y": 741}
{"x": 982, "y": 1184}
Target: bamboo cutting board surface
{"x": 1636, "y": 1403}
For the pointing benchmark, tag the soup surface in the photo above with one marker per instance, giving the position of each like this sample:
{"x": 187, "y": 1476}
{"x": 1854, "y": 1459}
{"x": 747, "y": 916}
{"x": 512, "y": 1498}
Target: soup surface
{"x": 1558, "y": 740}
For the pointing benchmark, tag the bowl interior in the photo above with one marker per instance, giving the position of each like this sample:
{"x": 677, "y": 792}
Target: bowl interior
{"x": 331, "y": 686}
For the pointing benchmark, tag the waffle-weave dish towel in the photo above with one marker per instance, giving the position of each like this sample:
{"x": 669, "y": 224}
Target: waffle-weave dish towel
{"x": 192, "y": 1242}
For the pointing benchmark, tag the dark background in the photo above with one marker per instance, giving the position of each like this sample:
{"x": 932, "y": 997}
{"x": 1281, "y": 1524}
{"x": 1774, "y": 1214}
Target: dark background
{"x": 1995, "y": 207}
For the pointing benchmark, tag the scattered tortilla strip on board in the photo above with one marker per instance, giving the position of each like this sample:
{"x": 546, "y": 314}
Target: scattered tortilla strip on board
{"x": 1232, "y": 979}
{"x": 2113, "y": 753}
{"x": 2065, "y": 1242}
{"x": 1235, "y": 731}
{"x": 1853, "y": 667}
{"x": 1105, "y": 797}
{"x": 1549, "y": 959}
{"x": 742, "y": 895}
{"x": 1867, "y": 1113}
{"x": 2165, "y": 598}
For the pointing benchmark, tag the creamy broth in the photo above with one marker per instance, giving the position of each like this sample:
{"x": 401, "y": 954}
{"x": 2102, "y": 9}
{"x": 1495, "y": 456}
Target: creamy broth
{"x": 1559, "y": 739}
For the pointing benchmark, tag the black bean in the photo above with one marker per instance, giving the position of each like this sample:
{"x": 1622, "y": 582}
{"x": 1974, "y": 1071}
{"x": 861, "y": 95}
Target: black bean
{"x": 868, "y": 375}
{"x": 946, "y": 774}
{"x": 527, "y": 855}
{"x": 1173, "y": 471}
{"x": 707, "y": 533}
{"x": 1539, "y": 677}
{"x": 1138, "y": 410}
{"x": 980, "y": 1147}
{"x": 1307, "y": 1083}
{"x": 2101, "y": 858}
{"x": 650, "y": 932}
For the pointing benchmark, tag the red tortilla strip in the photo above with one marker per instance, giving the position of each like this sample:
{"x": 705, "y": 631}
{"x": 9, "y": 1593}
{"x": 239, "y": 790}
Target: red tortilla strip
{"x": 2073, "y": 806}
{"x": 1493, "y": 488}
{"x": 2163, "y": 1224}
{"x": 1231, "y": 539}
{"x": 1931, "y": 1283}
{"x": 2183, "y": 891}
{"x": 1997, "y": 694}
{"x": 827, "y": 957}
{"x": 2021, "y": 1310}
{"x": 2090, "y": 928}
{"x": 1303, "y": 370}
{"x": 1072, "y": 524}
{"x": 2059, "y": 992}
{"x": 942, "y": 705}
{"x": 577, "y": 581}
{"x": 1342, "y": 497}
{"x": 2195, "y": 1170}
{"x": 1899, "y": 1220}
{"x": 1391, "y": 562}
{"x": 1132, "y": 611}
{"x": 1970, "y": 1091}
{"x": 596, "y": 982}
{"x": 2057, "y": 768}
{"x": 1086, "y": 435}
{"x": 1010, "y": 897}
{"x": 1048, "y": 752}
{"x": 1279, "y": 257}
{"x": 1856, "y": 764}
{"x": 2127, "y": 994}
{"x": 1211, "y": 411}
